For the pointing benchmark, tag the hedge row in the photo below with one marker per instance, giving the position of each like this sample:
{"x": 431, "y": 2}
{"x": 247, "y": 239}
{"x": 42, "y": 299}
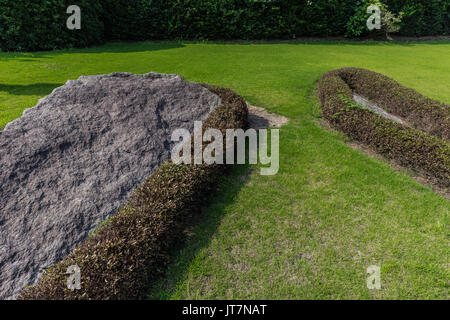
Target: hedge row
{"x": 130, "y": 250}
{"x": 40, "y": 25}
{"x": 414, "y": 148}
{"x": 422, "y": 18}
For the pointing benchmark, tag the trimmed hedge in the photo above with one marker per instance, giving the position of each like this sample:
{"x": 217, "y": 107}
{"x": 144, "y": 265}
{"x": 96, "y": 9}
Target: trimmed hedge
{"x": 40, "y": 25}
{"x": 130, "y": 250}
{"x": 422, "y": 112}
{"x": 420, "y": 18}
{"x": 425, "y": 148}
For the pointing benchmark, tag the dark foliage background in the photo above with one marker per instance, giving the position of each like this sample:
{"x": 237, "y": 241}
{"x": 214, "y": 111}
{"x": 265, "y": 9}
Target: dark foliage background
{"x": 41, "y": 24}
{"x": 130, "y": 250}
{"x": 423, "y": 147}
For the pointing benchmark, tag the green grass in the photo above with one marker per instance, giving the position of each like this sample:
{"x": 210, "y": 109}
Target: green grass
{"x": 312, "y": 230}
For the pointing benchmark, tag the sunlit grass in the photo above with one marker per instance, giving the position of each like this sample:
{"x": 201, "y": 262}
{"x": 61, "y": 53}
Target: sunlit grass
{"x": 312, "y": 230}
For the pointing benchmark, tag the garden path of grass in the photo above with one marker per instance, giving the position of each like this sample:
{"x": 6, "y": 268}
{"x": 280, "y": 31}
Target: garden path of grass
{"x": 312, "y": 230}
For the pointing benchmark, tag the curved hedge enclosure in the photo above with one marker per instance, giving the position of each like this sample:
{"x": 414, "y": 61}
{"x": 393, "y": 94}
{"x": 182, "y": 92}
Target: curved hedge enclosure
{"x": 423, "y": 145}
{"x": 41, "y": 24}
{"x": 131, "y": 249}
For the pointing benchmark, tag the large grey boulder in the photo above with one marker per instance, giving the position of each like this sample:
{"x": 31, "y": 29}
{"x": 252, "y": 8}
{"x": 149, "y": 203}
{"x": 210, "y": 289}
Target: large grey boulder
{"x": 72, "y": 161}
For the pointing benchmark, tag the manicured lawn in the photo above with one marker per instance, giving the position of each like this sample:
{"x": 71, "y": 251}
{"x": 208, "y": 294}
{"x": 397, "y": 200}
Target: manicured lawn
{"x": 312, "y": 230}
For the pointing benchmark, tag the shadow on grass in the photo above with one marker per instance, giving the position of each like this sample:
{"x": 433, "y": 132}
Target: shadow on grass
{"x": 35, "y": 89}
{"x": 110, "y": 47}
{"x": 199, "y": 233}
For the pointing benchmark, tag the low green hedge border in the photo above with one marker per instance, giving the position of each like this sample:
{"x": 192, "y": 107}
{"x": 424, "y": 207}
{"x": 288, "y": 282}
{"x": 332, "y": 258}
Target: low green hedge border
{"x": 424, "y": 148}
{"x": 130, "y": 250}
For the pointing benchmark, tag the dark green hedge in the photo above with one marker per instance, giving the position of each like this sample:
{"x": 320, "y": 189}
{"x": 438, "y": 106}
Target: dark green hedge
{"x": 40, "y": 24}
{"x": 423, "y": 17}
{"x": 411, "y": 147}
{"x": 130, "y": 250}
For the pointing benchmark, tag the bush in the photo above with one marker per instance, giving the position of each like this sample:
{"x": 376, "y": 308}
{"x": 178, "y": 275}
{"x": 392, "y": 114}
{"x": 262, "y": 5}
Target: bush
{"x": 423, "y": 17}
{"x": 422, "y": 112}
{"x": 424, "y": 147}
{"x": 41, "y": 25}
{"x": 357, "y": 25}
{"x": 419, "y": 17}
{"x": 130, "y": 250}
